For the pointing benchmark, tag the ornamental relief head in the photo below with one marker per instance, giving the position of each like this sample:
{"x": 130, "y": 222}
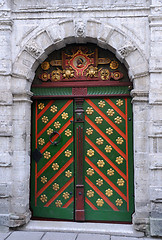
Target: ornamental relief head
{"x": 79, "y": 28}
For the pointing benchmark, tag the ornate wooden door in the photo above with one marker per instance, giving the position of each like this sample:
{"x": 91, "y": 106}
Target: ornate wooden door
{"x": 82, "y": 164}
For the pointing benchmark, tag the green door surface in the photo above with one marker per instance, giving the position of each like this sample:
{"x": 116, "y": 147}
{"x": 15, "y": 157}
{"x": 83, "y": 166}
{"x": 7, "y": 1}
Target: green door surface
{"x": 82, "y": 159}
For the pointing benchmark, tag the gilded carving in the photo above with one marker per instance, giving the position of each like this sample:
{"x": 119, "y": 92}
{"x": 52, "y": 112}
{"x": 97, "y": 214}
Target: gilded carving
{"x": 119, "y": 140}
{"x": 118, "y": 120}
{"x": 98, "y": 120}
{"x": 45, "y": 65}
{"x": 41, "y": 141}
{"x": 105, "y": 74}
{"x": 90, "y": 193}
{"x": 68, "y": 73}
{"x": 100, "y": 163}
{"x": 90, "y": 171}
{"x": 99, "y": 141}
{"x": 120, "y": 182}
{"x": 108, "y": 148}
{"x": 66, "y": 195}
{"x": 43, "y": 198}
{"x": 43, "y": 179}
{"x": 92, "y": 72}
{"x": 58, "y": 203}
{"x": 68, "y": 132}
{"x": 44, "y": 119}
{"x": 90, "y": 152}
{"x": 119, "y": 160}
{"x": 68, "y": 174}
{"x": 55, "y": 186}
{"x": 40, "y": 106}
{"x": 56, "y": 75}
{"x": 64, "y": 115}
{"x": 99, "y": 182}
{"x": 101, "y": 104}
{"x": 53, "y": 109}
{"x": 49, "y": 131}
{"x": 110, "y": 112}
{"x": 110, "y": 172}
{"x": 109, "y": 131}
{"x": 55, "y": 166}
{"x": 119, "y": 202}
{"x": 89, "y": 131}
{"x": 57, "y": 124}
{"x": 109, "y": 192}
{"x": 89, "y": 110}
{"x": 100, "y": 202}
{"x": 47, "y": 155}
{"x": 67, "y": 153}
{"x": 119, "y": 102}
{"x": 114, "y": 65}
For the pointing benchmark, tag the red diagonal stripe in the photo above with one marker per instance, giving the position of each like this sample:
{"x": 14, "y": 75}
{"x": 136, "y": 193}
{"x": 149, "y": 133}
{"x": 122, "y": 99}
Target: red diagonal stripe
{"x": 90, "y": 204}
{"x": 105, "y": 157}
{"x": 45, "y": 108}
{"x": 101, "y": 195}
{"x": 55, "y": 176}
{"x": 68, "y": 203}
{"x": 54, "y": 118}
{"x": 126, "y": 109}
{"x": 55, "y": 136}
{"x": 59, "y": 192}
{"x": 106, "y": 179}
{"x": 55, "y": 156}
{"x": 115, "y": 107}
{"x": 105, "y": 117}
{"x": 105, "y": 137}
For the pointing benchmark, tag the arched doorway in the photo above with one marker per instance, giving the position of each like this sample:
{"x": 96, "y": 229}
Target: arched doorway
{"x": 82, "y": 151}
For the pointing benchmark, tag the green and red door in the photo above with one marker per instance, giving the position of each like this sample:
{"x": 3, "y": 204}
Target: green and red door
{"x": 82, "y": 161}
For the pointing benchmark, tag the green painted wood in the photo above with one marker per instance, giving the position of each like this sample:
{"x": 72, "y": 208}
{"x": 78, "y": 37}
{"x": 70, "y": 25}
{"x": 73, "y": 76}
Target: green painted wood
{"x": 106, "y": 90}
{"x": 51, "y": 91}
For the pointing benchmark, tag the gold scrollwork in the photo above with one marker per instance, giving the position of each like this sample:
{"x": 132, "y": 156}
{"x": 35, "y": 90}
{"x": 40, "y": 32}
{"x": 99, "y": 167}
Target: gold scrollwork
{"x": 68, "y": 73}
{"x": 92, "y": 72}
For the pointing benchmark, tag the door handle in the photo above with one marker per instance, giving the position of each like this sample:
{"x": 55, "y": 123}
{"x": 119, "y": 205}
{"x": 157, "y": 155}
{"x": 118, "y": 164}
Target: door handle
{"x": 55, "y": 142}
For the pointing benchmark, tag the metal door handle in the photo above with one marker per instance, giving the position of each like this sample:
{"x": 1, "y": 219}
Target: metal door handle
{"x": 55, "y": 142}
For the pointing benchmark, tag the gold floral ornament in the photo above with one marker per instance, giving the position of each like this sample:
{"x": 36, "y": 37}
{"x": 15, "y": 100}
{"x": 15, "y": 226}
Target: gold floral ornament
{"x": 55, "y": 75}
{"x": 68, "y": 73}
{"x": 119, "y": 202}
{"x": 43, "y": 179}
{"x": 114, "y": 65}
{"x": 90, "y": 171}
{"x": 58, "y": 203}
{"x": 98, "y": 120}
{"x": 108, "y": 148}
{"x": 43, "y": 198}
{"x": 53, "y": 109}
{"x": 119, "y": 140}
{"x": 89, "y": 131}
{"x": 99, "y": 182}
{"x": 45, "y": 65}
{"x": 66, "y": 195}
{"x": 99, "y": 141}
{"x": 55, "y": 166}
{"x": 118, "y": 120}
{"x": 101, "y": 104}
{"x": 90, "y": 152}
{"x": 105, "y": 74}
{"x": 100, "y": 202}
{"x": 44, "y": 119}
{"x": 40, "y": 106}
{"x": 64, "y": 115}
{"x": 68, "y": 132}
{"x": 89, "y": 110}
{"x": 119, "y": 102}
{"x": 55, "y": 186}
{"x": 90, "y": 193}
{"x": 109, "y": 192}
{"x": 92, "y": 72}
{"x": 120, "y": 182}
{"x": 49, "y": 131}
{"x": 57, "y": 124}
{"x": 110, "y": 112}
{"x": 100, "y": 163}
{"x": 110, "y": 172}
{"x": 47, "y": 155}
{"x": 109, "y": 131}
{"x": 67, "y": 153}
{"x": 68, "y": 173}
{"x": 41, "y": 141}
{"x": 119, "y": 160}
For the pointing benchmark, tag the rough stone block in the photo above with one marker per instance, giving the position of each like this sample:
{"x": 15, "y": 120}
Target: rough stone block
{"x": 116, "y": 40}
{"x": 93, "y": 237}
{"x": 93, "y": 28}
{"x": 67, "y": 28}
{"x": 26, "y": 235}
{"x": 156, "y": 227}
{"x": 43, "y": 40}
{"x": 4, "y": 219}
{"x": 5, "y": 98}
{"x": 60, "y": 236}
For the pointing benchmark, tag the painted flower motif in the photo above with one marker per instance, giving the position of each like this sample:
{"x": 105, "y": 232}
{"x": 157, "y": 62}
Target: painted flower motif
{"x": 100, "y": 163}
{"x": 120, "y": 182}
{"x": 68, "y": 173}
{"x": 119, "y": 140}
{"x": 47, "y": 155}
{"x": 49, "y": 131}
{"x": 55, "y": 166}
{"x": 43, "y": 179}
{"x": 66, "y": 195}
{"x": 101, "y": 104}
{"x": 43, "y": 198}
{"x": 64, "y": 115}
{"x": 118, "y": 120}
{"x": 99, "y": 182}
{"x": 89, "y": 110}
{"x": 68, "y": 132}
{"x": 109, "y": 192}
{"x": 119, "y": 160}
{"x": 119, "y": 102}
{"x": 67, "y": 153}
{"x": 110, "y": 112}
{"x": 44, "y": 119}
{"x": 55, "y": 186}
{"x": 41, "y": 141}
{"x": 90, "y": 193}
{"x": 100, "y": 202}
{"x": 90, "y": 152}
{"x": 119, "y": 202}
{"x": 108, "y": 148}
{"x": 89, "y": 131}
{"x": 58, "y": 203}
{"x": 45, "y": 65}
{"x": 114, "y": 65}
{"x": 98, "y": 120}
{"x": 40, "y": 106}
{"x": 57, "y": 124}
{"x": 110, "y": 172}
{"x": 99, "y": 141}
{"x": 53, "y": 109}
{"x": 109, "y": 131}
{"x": 90, "y": 171}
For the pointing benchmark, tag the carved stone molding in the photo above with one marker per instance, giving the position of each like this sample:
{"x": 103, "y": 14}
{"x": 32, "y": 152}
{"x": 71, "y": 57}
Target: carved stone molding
{"x": 33, "y": 49}
{"x": 126, "y": 50}
{"x": 79, "y": 28}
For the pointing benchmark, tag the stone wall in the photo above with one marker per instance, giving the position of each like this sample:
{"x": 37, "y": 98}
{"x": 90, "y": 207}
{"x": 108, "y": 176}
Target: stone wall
{"x": 29, "y": 31}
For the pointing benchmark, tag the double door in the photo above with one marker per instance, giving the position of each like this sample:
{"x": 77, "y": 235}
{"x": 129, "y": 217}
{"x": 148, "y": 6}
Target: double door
{"x": 82, "y": 159}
